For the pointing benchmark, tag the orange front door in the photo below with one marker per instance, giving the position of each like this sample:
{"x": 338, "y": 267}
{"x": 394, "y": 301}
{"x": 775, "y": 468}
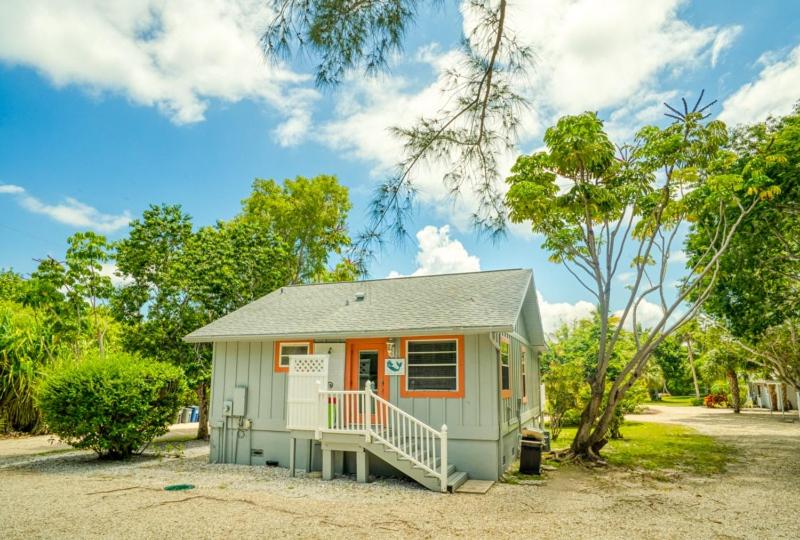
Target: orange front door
{"x": 365, "y": 362}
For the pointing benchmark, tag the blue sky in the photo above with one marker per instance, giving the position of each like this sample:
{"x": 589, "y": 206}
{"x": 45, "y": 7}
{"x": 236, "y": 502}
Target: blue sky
{"x": 107, "y": 107}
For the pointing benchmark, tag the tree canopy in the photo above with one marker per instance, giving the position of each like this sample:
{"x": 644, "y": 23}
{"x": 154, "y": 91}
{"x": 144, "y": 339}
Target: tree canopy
{"x": 179, "y": 278}
{"x": 309, "y": 215}
{"x": 171, "y": 278}
{"x": 602, "y": 207}
{"x": 758, "y": 284}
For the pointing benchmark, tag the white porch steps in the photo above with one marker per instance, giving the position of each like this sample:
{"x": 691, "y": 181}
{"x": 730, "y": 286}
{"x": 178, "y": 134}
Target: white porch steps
{"x": 408, "y": 467}
{"x": 368, "y": 422}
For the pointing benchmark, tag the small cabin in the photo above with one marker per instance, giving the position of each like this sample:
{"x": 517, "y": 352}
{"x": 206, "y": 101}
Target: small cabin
{"x": 431, "y": 377}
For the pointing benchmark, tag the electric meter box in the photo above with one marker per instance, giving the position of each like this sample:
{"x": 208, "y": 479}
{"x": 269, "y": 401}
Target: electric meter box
{"x": 239, "y": 400}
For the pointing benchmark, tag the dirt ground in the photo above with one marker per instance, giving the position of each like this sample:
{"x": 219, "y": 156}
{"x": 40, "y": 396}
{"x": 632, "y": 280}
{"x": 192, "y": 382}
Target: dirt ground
{"x": 55, "y": 493}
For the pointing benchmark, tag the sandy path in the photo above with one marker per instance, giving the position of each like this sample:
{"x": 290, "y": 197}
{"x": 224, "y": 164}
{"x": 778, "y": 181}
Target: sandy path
{"x": 73, "y": 495}
{"x": 42, "y": 444}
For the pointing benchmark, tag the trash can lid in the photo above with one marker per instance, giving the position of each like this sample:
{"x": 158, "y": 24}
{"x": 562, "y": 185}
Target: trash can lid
{"x": 534, "y": 444}
{"x": 532, "y": 434}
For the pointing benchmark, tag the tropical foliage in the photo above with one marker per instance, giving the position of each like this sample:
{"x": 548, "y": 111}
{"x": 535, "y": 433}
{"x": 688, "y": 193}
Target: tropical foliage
{"x": 58, "y": 313}
{"x": 567, "y": 367}
{"x": 171, "y": 278}
{"x": 756, "y": 296}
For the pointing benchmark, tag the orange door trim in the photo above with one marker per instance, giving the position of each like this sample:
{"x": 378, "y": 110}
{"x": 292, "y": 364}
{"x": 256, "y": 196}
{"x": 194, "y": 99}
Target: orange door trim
{"x": 352, "y": 348}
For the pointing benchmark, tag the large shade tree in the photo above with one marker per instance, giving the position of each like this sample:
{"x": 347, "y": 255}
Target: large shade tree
{"x": 758, "y": 284}
{"x": 756, "y": 296}
{"x": 603, "y": 208}
{"x": 179, "y": 279}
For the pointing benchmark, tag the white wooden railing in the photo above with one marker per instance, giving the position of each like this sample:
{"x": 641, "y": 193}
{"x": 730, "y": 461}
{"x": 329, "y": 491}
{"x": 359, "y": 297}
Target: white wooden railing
{"x": 364, "y": 412}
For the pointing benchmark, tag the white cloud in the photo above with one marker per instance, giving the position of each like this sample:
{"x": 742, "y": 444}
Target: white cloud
{"x": 678, "y": 257}
{"x": 590, "y": 55}
{"x": 440, "y": 254}
{"x": 649, "y": 314}
{"x": 724, "y": 40}
{"x": 177, "y": 55}
{"x": 111, "y": 270}
{"x": 11, "y": 189}
{"x": 625, "y": 277}
{"x": 774, "y": 92}
{"x": 595, "y": 54}
{"x": 70, "y": 212}
{"x": 556, "y": 314}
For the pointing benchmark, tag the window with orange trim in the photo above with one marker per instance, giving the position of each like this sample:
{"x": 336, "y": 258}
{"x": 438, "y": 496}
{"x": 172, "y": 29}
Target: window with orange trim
{"x": 434, "y": 367}
{"x": 505, "y": 368}
{"x": 285, "y": 348}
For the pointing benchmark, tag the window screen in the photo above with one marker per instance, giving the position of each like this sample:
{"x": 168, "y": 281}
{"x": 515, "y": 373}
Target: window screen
{"x": 432, "y": 365}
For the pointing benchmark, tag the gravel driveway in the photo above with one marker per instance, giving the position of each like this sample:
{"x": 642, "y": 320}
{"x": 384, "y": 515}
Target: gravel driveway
{"x": 70, "y": 495}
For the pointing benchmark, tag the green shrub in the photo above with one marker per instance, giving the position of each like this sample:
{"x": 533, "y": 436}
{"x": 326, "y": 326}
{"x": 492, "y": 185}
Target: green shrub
{"x": 113, "y": 405}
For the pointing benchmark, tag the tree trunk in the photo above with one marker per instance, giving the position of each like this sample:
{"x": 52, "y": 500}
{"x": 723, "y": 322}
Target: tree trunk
{"x": 691, "y": 366}
{"x": 582, "y": 443}
{"x": 733, "y": 384}
{"x": 202, "y": 396}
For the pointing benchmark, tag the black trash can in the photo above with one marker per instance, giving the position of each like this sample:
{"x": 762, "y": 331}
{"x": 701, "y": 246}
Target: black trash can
{"x": 530, "y": 457}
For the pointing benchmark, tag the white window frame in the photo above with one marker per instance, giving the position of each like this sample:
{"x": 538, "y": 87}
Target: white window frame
{"x": 281, "y": 344}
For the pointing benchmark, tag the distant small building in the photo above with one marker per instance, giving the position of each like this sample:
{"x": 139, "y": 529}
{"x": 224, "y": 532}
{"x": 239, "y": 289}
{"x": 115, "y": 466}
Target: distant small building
{"x": 773, "y": 395}
{"x": 430, "y": 376}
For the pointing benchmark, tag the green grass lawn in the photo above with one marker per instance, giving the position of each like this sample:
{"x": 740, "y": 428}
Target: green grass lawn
{"x": 673, "y": 401}
{"x": 656, "y": 447}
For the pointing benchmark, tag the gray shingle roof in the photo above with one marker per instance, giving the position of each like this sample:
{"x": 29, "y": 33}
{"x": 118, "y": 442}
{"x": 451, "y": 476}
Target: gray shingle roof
{"x": 477, "y": 301}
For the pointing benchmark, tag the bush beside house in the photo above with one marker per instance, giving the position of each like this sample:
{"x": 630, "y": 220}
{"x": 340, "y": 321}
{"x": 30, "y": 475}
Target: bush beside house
{"x": 114, "y": 405}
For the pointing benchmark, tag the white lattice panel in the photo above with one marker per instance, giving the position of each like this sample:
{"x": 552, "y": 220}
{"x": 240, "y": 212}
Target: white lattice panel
{"x": 308, "y": 373}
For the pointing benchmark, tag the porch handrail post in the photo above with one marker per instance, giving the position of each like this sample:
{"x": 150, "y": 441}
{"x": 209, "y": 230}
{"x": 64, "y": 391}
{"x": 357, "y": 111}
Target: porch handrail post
{"x": 368, "y": 408}
{"x": 444, "y": 458}
{"x": 320, "y": 411}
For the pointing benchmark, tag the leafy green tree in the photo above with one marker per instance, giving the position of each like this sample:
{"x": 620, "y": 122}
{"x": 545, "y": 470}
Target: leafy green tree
{"x": 723, "y": 358}
{"x": 87, "y": 287}
{"x": 568, "y": 366}
{"x": 308, "y": 214}
{"x": 758, "y": 283}
{"x": 155, "y": 306}
{"x": 73, "y": 294}
{"x": 483, "y": 103}
{"x": 672, "y": 357}
{"x": 600, "y": 209}
{"x": 232, "y": 264}
{"x": 778, "y": 351}
{"x": 12, "y": 286}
